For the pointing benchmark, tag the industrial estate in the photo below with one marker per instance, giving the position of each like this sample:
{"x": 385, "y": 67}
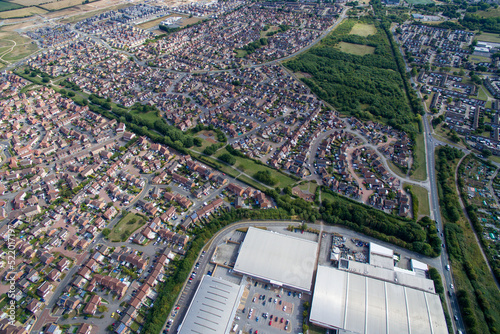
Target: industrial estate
{"x": 246, "y": 167}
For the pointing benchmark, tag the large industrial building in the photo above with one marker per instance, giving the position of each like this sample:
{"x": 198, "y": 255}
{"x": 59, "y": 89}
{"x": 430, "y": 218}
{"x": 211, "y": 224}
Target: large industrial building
{"x": 355, "y": 303}
{"x": 213, "y": 307}
{"x": 279, "y": 259}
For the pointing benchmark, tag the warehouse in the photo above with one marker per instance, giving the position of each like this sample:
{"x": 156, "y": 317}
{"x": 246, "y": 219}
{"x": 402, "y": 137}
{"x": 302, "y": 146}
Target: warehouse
{"x": 279, "y": 259}
{"x": 360, "y": 304}
{"x": 213, "y": 307}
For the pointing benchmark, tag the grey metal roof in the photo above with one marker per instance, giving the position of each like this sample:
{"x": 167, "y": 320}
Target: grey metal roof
{"x": 279, "y": 258}
{"x": 362, "y": 304}
{"x": 213, "y": 307}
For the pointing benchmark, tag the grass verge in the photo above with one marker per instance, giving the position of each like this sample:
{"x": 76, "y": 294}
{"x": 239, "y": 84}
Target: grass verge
{"x": 125, "y": 227}
{"x": 420, "y": 172}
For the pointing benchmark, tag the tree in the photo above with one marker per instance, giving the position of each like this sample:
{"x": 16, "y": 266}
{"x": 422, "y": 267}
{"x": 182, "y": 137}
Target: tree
{"x": 487, "y": 153}
{"x": 414, "y": 72}
{"x": 228, "y": 158}
{"x": 197, "y": 142}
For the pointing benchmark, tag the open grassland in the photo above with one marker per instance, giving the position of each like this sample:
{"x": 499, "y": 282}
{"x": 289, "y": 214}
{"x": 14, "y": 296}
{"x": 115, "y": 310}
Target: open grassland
{"x": 491, "y": 12}
{"x": 19, "y": 52}
{"x": 488, "y": 37}
{"x": 125, "y": 227}
{"x": 363, "y": 29}
{"x": 22, "y": 12}
{"x": 479, "y": 59}
{"x": 191, "y": 20}
{"x": 4, "y": 6}
{"x": 309, "y": 187}
{"x": 356, "y": 49}
{"x": 14, "y": 46}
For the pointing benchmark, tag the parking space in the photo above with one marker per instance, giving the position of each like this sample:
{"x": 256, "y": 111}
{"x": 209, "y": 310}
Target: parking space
{"x": 270, "y": 310}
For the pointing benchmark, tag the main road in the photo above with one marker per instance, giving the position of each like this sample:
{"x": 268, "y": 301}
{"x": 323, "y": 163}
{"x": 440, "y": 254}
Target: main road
{"x": 451, "y": 299}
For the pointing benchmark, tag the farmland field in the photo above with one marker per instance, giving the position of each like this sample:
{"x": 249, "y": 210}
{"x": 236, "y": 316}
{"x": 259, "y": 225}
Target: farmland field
{"x": 363, "y": 29}
{"x": 61, "y": 4}
{"x": 28, "y": 3}
{"x": 356, "y": 49}
{"x": 4, "y": 6}
{"x": 22, "y": 12}
{"x": 75, "y": 14}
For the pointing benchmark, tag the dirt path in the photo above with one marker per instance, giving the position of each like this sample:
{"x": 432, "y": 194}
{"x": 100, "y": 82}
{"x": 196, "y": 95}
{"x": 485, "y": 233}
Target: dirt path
{"x": 8, "y": 51}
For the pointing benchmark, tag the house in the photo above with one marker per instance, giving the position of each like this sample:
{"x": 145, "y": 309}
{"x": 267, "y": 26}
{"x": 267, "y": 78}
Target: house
{"x": 84, "y": 329}
{"x": 34, "y": 306}
{"x": 63, "y": 264}
{"x": 54, "y": 275}
{"x": 110, "y": 213}
{"x": 52, "y": 329}
{"x": 44, "y": 289}
{"x": 235, "y": 189}
{"x": 46, "y": 258}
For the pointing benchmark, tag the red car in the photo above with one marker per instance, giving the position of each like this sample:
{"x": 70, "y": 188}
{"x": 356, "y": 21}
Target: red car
{"x": 281, "y": 320}
{"x": 270, "y": 323}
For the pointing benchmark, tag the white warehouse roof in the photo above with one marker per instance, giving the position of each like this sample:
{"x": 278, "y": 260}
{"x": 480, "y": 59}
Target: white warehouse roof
{"x": 213, "y": 307}
{"x": 363, "y": 304}
{"x": 278, "y": 258}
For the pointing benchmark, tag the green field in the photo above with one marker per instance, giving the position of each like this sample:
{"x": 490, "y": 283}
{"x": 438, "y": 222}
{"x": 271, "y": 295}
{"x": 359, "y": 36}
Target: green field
{"x": 362, "y": 29}
{"x": 356, "y": 49}
{"x": 15, "y": 47}
{"x": 240, "y": 53}
{"x": 125, "y": 227}
{"x": 491, "y": 12}
{"x": 150, "y": 116}
{"x": 420, "y": 173}
{"x": 487, "y": 37}
{"x": 423, "y": 200}
{"x": 205, "y": 143}
{"x": 327, "y": 196}
{"x": 309, "y": 187}
{"x": 4, "y": 6}
{"x": 250, "y": 167}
